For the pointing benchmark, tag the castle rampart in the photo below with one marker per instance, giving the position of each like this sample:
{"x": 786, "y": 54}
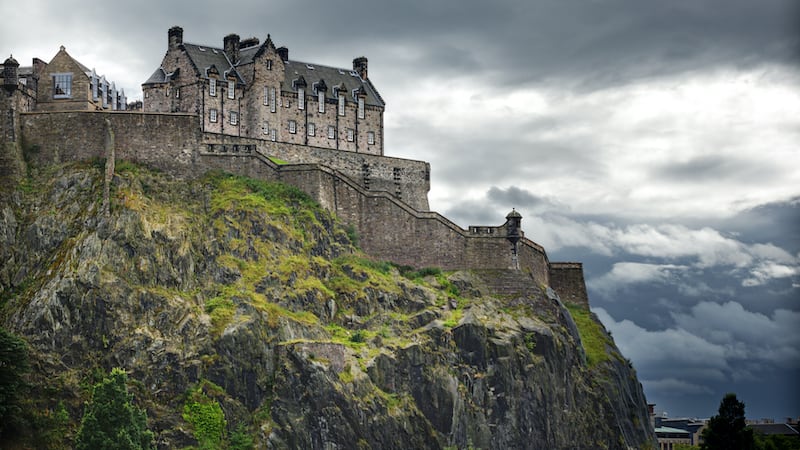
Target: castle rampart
{"x": 388, "y": 227}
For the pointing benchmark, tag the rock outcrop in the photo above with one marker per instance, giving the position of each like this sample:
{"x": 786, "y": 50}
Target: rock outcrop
{"x": 251, "y": 292}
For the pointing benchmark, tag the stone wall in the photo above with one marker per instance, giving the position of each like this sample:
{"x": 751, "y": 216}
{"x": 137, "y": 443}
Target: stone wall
{"x": 388, "y": 228}
{"x": 567, "y": 279}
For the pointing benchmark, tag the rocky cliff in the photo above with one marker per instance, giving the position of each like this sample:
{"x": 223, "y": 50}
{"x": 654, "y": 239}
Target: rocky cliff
{"x": 251, "y": 295}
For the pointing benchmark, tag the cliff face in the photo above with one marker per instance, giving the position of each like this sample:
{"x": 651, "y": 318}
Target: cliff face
{"x": 256, "y": 296}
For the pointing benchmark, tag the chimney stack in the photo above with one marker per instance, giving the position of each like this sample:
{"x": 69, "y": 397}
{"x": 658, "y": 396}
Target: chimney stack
{"x": 231, "y": 46}
{"x": 175, "y": 37}
{"x": 283, "y": 52}
{"x": 360, "y": 66}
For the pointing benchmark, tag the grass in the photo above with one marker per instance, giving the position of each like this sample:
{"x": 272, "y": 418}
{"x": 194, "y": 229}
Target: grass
{"x": 596, "y": 343}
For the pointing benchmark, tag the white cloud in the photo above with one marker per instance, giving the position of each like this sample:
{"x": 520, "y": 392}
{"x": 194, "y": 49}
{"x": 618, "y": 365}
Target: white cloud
{"x": 627, "y": 273}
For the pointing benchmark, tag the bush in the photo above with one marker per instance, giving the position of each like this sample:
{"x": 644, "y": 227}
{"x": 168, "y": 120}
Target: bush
{"x": 206, "y": 417}
{"x": 13, "y": 366}
{"x": 110, "y": 421}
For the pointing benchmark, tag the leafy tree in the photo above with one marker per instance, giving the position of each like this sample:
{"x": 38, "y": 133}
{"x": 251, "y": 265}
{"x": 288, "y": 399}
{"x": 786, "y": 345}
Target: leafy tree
{"x": 728, "y": 430}
{"x": 110, "y": 420}
{"x": 13, "y": 366}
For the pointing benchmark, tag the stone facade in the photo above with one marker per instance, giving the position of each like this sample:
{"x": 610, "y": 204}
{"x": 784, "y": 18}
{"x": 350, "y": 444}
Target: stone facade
{"x": 249, "y": 89}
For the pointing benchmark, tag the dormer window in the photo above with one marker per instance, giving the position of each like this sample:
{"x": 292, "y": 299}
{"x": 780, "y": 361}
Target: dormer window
{"x": 212, "y": 87}
{"x": 341, "y": 104}
{"x": 231, "y": 89}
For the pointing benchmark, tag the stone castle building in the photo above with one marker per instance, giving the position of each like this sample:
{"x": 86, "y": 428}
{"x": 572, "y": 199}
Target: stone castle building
{"x": 63, "y": 84}
{"x": 251, "y": 89}
{"x": 248, "y": 109}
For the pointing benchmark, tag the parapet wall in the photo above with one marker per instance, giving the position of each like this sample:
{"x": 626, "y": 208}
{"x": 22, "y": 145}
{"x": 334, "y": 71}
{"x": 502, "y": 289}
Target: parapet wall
{"x": 388, "y": 228}
{"x": 566, "y": 278}
{"x": 406, "y": 179}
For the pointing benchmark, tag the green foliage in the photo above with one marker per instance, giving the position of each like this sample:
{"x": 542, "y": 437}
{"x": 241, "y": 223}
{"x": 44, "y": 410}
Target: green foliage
{"x": 595, "y": 342}
{"x": 728, "y": 429}
{"x": 776, "y": 442}
{"x": 412, "y": 274}
{"x": 240, "y": 439}
{"x": 206, "y": 417}
{"x": 278, "y": 161}
{"x": 358, "y": 336}
{"x": 13, "y": 367}
{"x": 110, "y": 421}
{"x": 221, "y": 310}
{"x": 352, "y": 235}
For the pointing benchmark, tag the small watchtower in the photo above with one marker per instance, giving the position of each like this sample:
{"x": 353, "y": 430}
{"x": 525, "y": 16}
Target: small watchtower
{"x": 10, "y": 74}
{"x": 514, "y": 234}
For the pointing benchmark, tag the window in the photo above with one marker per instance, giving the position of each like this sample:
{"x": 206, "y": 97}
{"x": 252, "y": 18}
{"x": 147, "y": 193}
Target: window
{"x": 312, "y": 129}
{"x": 301, "y": 98}
{"x": 292, "y": 127}
{"x": 351, "y": 135}
{"x": 234, "y": 117}
{"x": 370, "y": 137}
{"x": 231, "y": 89}
{"x": 265, "y": 128}
{"x": 177, "y": 92}
{"x": 321, "y": 100}
{"x": 212, "y": 115}
{"x": 212, "y": 87}
{"x": 331, "y": 132}
{"x": 360, "y": 107}
{"x": 62, "y": 85}
{"x": 269, "y": 64}
{"x": 341, "y": 104}
{"x": 266, "y": 96}
{"x": 272, "y": 102}
{"x": 273, "y": 134}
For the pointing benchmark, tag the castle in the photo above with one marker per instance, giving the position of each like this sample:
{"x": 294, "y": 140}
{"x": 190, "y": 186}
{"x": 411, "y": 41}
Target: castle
{"x": 247, "y": 109}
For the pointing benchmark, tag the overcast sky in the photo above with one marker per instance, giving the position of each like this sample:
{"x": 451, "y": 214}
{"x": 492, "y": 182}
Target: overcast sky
{"x": 657, "y": 142}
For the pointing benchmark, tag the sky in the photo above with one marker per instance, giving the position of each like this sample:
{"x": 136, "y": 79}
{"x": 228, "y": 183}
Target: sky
{"x": 656, "y": 142}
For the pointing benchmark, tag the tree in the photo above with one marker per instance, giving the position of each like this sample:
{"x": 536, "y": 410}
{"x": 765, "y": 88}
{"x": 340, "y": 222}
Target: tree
{"x": 13, "y": 366}
{"x": 110, "y": 420}
{"x": 728, "y": 430}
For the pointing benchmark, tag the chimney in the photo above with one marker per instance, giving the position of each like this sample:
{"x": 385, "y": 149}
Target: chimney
{"x": 175, "y": 37}
{"x": 249, "y": 42}
{"x": 231, "y": 46}
{"x": 283, "y": 52}
{"x": 360, "y": 66}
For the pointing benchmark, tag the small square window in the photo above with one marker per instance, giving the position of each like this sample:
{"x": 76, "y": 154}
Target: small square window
{"x": 312, "y": 129}
{"x": 351, "y": 134}
{"x": 292, "y": 127}
{"x": 370, "y": 137}
{"x": 331, "y": 132}
{"x": 212, "y": 115}
{"x": 273, "y": 135}
{"x": 234, "y": 117}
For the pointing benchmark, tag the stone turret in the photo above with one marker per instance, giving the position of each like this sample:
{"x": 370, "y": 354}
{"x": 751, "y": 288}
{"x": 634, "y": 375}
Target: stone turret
{"x": 514, "y": 226}
{"x": 10, "y": 75}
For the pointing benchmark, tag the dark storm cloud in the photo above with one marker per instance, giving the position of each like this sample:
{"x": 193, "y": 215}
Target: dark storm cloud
{"x": 715, "y": 167}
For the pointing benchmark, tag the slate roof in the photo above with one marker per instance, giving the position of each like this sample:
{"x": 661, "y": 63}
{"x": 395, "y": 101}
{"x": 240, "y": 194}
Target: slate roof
{"x": 335, "y": 78}
{"x": 774, "y": 428}
{"x": 204, "y": 57}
